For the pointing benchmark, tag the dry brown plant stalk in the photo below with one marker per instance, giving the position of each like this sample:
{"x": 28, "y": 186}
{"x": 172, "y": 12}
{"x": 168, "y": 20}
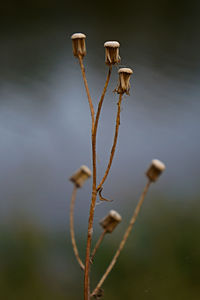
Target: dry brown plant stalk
{"x": 94, "y": 190}
{"x": 110, "y": 222}
{"x": 73, "y": 198}
{"x": 87, "y": 89}
{"x": 96, "y": 247}
{"x": 78, "y": 179}
{"x": 112, "y": 153}
{"x": 124, "y": 239}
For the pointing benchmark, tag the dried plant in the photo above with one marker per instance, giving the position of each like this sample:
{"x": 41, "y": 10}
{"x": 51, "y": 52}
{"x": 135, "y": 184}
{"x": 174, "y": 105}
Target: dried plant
{"x": 79, "y": 177}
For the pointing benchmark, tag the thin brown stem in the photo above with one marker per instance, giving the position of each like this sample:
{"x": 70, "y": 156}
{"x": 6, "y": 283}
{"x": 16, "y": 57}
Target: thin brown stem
{"x": 87, "y": 89}
{"x": 89, "y": 239}
{"x": 125, "y": 237}
{"x": 101, "y": 101}
{"x": 94, "y": 193}
{"x": 114, "y": 144}
{"x": 73, "y": 198}
{"x": 98, "y": 243}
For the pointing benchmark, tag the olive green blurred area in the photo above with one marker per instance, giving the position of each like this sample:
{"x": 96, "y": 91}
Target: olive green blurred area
{"x": 161, "y": 260}
{"x": 45, "y": 137}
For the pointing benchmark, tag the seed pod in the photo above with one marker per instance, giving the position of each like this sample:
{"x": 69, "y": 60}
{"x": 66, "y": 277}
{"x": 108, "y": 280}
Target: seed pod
{"x": 78, "y": 44}
{"x": 124, "y": 81}
{"x": 155, "y": 170}
{"x": 112, "y": 53}
{"x": 111, "y": 221}
{"x": 80, "y": 176}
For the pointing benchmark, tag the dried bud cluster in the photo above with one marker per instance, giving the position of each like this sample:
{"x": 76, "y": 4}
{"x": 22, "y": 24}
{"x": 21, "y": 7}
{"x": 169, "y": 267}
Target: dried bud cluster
{"x": 155, "y": 170}
{"x": 111, "y": 221}
{"x": 124, "y": 81}
{"x": 80, "y": 176}
{"x": 111, "y": 58}
{"x": 78, "y": 44}
{"x": 112, "y": 53}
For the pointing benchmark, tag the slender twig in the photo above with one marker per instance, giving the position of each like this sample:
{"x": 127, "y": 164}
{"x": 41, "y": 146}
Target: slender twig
{"x": 73, "y": 198}
{"x": 87, "y": 90}
{"x": 98, "y": 243}
{"x": 89, "y": 239}
{"x": 101, "y": 101}
{"x": 125, "y": 237}
{"x": 114, "y": 143}
{"x": 94, "y": 191}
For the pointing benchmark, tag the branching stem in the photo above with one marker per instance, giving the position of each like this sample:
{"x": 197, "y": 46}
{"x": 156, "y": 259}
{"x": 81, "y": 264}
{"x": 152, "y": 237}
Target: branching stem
{"x": 114, "y": 144}
{"x": 87, "y": 90}
{"x": 101, "y": 101}
{"x": 125, "y": 237}
{"x": 73, "y": 198}
{"x": 94, "y": 190}
{"x": 96, "y": 247}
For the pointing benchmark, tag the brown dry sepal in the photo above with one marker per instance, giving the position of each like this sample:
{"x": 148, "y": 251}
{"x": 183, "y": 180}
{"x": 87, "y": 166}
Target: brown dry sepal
{"x": 124, "y": 81}
{"x": 112, "y": 52}
{"x": 110, "y": 222}
{"x": 155, "y": 170}
{"x": 80, "y": 176}
{"x": 78, "y": 44}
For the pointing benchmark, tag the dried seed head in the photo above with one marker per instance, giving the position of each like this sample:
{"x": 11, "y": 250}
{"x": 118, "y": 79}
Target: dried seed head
{"x": 124, "y": 81}
{"x": 111, "y": 221}
{"x": 112, "y": 53}
{"x": 80, "y": 176}
{"x": 155, "y": 170}
{"x": 78, "y": 44}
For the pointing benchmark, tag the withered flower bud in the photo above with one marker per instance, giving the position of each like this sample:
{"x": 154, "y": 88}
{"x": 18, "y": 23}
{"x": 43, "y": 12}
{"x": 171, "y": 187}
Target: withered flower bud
{"x": 112, "y": 53}
{"x": 155, "y": 170}
{"x": 78, "y": 44}
{"x": 124, "y": 81}
{"x": 111, "y": 221}
{"x": 80, "y": 176}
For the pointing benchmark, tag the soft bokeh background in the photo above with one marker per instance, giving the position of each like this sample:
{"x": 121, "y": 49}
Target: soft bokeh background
{"x": 44, "y": 130}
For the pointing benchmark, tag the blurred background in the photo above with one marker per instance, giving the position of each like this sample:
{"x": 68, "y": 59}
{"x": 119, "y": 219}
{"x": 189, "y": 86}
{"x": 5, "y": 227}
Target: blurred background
{"x": 45, "y": 136}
